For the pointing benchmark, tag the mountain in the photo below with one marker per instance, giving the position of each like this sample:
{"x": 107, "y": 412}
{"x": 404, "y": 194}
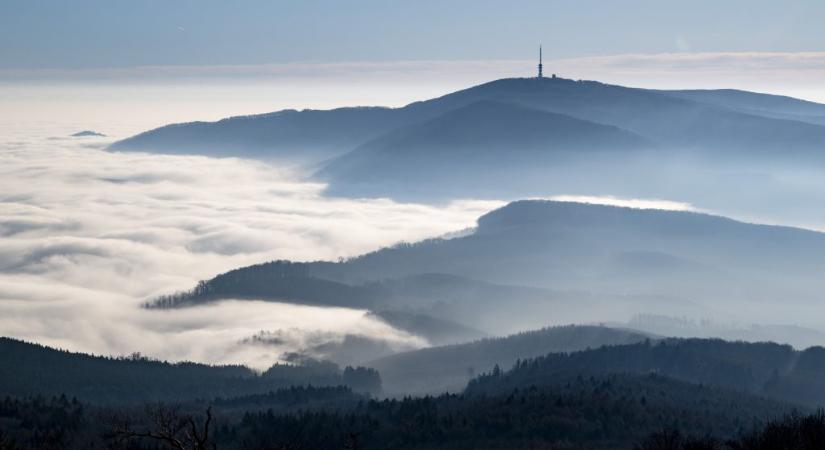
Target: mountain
{"x": 710, "y": 122}
{"x": 441, "y": 308}
{"x": 548, "y": 262}
{"x": 464, "y": 143}
{"x": 88, "y": 133}
{"x": 795, "y": 335}
{"x": 774, "y": 106}
{"x": 767, "y": 369}
{"x": 690, "y": 138}
{"x": 667, "y": 120}
{"x": 307, "y": 135}
{"x": 470, "y": 144}
{"x": 436, "y": 370}
{"x": 565, "y": 245}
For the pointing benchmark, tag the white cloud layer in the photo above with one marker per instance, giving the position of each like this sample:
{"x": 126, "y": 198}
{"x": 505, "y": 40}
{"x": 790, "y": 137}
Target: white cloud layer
{"x": 87, "y": 235}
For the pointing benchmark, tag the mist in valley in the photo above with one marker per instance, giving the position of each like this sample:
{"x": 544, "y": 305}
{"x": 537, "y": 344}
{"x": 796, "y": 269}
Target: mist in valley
{"x": 99, "y": 234}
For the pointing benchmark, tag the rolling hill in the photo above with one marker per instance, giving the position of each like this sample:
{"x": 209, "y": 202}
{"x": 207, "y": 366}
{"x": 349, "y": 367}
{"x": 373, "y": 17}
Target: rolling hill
{"x": 775, "y": 106}
{"x": 300, "y": 136}
{"x": 704, "y": 147}
{"x": 29, "y": 369}
{"x": 465, "y": 143}
{"x": 718, "y": 121}
{"x": 436, "y": 370}
{"x": 547, "y": 262}
{"x": 766, "y": 369}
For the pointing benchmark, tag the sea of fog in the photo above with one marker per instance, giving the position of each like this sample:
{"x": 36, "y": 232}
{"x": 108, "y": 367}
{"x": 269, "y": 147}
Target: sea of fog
{"x": 87, "y": 235}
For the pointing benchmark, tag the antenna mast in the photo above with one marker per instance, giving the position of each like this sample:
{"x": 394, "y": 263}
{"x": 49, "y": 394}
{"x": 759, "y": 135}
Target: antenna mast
{"x": 540, "y": 66}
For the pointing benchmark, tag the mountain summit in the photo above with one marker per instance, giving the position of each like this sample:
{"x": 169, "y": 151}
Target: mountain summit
{"x": 473, "y": 138}
{"x": 520, "y": 137}
{"x": 708, "y": 118}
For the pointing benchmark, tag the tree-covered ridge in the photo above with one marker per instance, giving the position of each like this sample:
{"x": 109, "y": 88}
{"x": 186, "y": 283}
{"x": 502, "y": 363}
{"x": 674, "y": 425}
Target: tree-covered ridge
{"x": 612, "y": 397}
{"x": 31, "y": 369}
{"x": 680, "y": 119}
{"x": 601, "y": 412}
{"x": 293, "y": 399}
{"x": 768, "y": 369}
{"x": 791, "y": 432}
{"x": 440, "y": 369}
{"x": 571, "y": 262}
{"x": 275, "y": 280}
{"x": 606, "y": 412}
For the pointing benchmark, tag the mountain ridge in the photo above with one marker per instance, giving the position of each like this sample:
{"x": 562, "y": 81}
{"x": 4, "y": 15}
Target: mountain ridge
{"x": 561, "y": 261}
{"x": 474, "y": 136}
{"x": 588, "y": 100}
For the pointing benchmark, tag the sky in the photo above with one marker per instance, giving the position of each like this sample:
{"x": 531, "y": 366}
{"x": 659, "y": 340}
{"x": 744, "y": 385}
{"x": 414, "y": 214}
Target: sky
{"x": 153, "y": 62}
{"x": 104, "y": 33}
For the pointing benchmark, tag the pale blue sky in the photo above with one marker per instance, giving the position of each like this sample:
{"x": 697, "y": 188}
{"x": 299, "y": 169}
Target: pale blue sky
{"x": 117, "y": 33}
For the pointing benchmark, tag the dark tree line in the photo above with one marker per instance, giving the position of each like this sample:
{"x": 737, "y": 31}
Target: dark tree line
{"x": 768, "y": 369}
{"x": 31, "y": 369}
{"x": 276, "y": 280}
{"x": 792, "y": 432}
{"x": 611, "y": 412}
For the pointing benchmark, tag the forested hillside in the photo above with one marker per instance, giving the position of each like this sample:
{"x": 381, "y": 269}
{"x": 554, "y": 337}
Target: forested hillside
{"x": 607, "y": 412}
{"x": 31, "y": 369}
{"x": 442, "y": 369}
{"x": 548, "y": 262}
{"x": 767, "y": 369}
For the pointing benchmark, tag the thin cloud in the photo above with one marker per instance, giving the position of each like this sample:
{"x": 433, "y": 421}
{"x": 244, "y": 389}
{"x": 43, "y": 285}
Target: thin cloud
{"x": 788, "y": 73}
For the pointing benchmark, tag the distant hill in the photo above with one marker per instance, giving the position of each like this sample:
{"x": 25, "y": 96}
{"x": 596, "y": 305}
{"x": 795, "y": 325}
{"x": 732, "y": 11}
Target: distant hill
{"x": 546, "y": 262}
{"x": 668, "y": 120}
{"x": 31, "y": 369}
{"x": 527, "y": 137}
{"x": 437, "y": 331}
{"x": 441, "y": 308}
{"x": 713, "y": 134}
{"x": 467, "y": 142}
{"x": 767, "y": 369}
{"x": 574, "y": 246}
{"x": 88, "y": 133}
{"x": 705, "y": 327}
{"x": 437, "y": 370}
{"x": 679, "y": 119}
{"x": 301, "y": 136}
{"x": 775, "y": 106}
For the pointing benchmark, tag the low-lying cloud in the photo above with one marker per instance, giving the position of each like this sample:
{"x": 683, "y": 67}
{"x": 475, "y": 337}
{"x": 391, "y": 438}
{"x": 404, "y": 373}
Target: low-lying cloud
{"x": 88, "y": 235}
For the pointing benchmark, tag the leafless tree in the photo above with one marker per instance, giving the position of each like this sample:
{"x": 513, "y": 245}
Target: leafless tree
{"x": 169, "y": 426}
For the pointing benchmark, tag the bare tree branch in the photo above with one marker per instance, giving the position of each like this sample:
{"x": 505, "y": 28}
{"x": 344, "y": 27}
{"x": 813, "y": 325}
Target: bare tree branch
{"x": 169, "y": 426}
